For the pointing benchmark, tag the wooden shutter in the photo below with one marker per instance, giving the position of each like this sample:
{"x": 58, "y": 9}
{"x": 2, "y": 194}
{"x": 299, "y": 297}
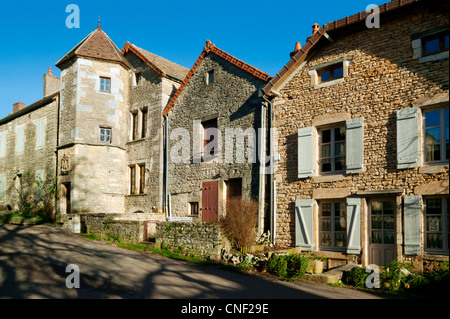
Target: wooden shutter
{"x": 304, "y": 223}
{"x": 2, "y": 144}
{"x": 412, "y": 232}
{"x": 353, "y": 225}
{"x": 354, "y": 145}
{"x": 20, "y": 139}
{"x": 2, "y": 187}
{"x": 305, "y": 152}
{"x": 408, "y": 138}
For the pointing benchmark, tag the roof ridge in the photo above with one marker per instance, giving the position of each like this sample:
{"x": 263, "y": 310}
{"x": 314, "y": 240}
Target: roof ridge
{"x": 210, "y": 47}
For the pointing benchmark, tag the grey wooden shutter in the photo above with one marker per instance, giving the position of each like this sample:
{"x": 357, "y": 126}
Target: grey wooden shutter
{"x": 305, "y": 152}
{"x": 2, "y": 187}
{"x": 304, "y": 223}
{"x": 354, "y": 145}
{"x": 412, "y": 232}
{"x": 408, "y": 138}
{"x": 353, "y": 225}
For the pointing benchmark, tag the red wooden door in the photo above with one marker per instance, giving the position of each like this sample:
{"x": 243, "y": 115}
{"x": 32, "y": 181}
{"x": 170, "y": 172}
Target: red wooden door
{"x": 210, "y": 201}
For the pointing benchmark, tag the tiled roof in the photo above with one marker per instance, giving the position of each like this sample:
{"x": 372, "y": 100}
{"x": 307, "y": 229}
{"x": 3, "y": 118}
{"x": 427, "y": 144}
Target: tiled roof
{"x": 301, "y": 54}
{"x": 96, "y": 45}
{"x": 210, "y": 47}
{"x": 160, "y": 65}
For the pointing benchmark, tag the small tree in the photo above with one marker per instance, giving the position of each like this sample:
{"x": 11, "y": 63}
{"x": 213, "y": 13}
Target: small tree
{"x": 240, "y": 222}
{"x": 46, "y": 193}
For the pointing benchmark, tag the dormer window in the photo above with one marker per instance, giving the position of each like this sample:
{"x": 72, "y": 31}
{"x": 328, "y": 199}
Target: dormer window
{"x": 329, "y": 73}
{"x": 105, "y": 84}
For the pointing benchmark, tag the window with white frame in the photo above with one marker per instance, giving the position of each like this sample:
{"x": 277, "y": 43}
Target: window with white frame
{"x": 105, "y": 84}
{"x": 105, "y": 134}
{"x": 332, "y": 149}
{"x": 436, "y": 224}
{"x": 436, "y": 137}
{"x": 332, "y": 225}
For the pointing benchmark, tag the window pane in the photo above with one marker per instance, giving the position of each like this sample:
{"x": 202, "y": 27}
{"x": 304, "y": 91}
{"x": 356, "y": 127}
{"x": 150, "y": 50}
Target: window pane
{"x": 325, "y": 76}
{"x": 376, "y": 237}
{"x": 388, "y": 208}
{"x": 433, "y": 206}
{"x": 433, "y": 135}
{"x": 377, "y": 208}
{"x": 326, "y": 209}
{"x": 339, "y": 163}
{"x": 326, "y": 150}
{"x": 339, "y": 134}
{"x": 432, "y": 118}
{"x": 325, "y": 239}
{"x": 433, "y": 153}
{"x": 389, "y": 238}
{"x": 339, "y": 224}
{"x": 338, "y": 73}
{"x": 326, "y": 165}
{"x": 339, "y": 209}
{"x": 432, "y": 45}
{"x": 434, "y": 241}
{"x": 339, "y": 149}
{"x": 339, "y": 240}
{"x": 377, "y": 222}
{"x": 326, "y": 136}
{"x": 446, "y": 42}
{"x": 326, "y": 224}
{"x": 388, "y": 222}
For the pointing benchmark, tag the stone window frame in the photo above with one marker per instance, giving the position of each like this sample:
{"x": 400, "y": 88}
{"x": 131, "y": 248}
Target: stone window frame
{"x": 332, "y": 218}
{"x": 418, "y": 49}
{"x": 134, "y": 82}
{"x": 105, "y": 129}
{"x": 141, "y": 188}
{"x": 209, "y": 73}
{"x": 105, "y": 85}
{"x": 136, "y": 178}
{"x": 445, "y": 221}
{"x": 314, "y": 72}
{"x": 139, "y": 124}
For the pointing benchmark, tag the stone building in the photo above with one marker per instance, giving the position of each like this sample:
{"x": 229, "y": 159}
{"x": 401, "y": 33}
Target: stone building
{"x": 98, "y": 129}
{"x": 362, "y": 120}
{"x": 213, "y": 124}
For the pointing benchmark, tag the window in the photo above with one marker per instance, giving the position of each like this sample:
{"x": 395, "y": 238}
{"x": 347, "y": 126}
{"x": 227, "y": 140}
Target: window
{"x": 436, "y": 224}
{"x": 435, "y": 43}
{"x": 210, "y": 78}
{"x": 382, "y": 221}
{"x": 132, "y": 179}
{"x": 138, "y": 78}
{"x": 333, "y": 72}
{"x": 144, "y": 123}
{"x": 105, "y": 134}
{"x": 332, "y": 149}
{"x": 105, "y": 84}
{"x": 436, "y": 135}
{"x": 141, "y": 178}
{"x": 193, "y": 206}
{"x": 209, "y": 138}
{"x": 333, "y": 225}
{"x": 135, "y": 125}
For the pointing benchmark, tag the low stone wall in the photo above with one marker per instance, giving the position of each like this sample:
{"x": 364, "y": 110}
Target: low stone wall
{"x": 132, "y": 229}
{"x": 203, "y": 239}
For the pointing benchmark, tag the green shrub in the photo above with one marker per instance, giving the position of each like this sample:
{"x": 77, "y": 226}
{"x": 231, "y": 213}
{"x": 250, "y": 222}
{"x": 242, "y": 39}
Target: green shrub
{"x": 356, "y": 277}
{"x": 393, "y": 278}
{"x": 288, "y": 267}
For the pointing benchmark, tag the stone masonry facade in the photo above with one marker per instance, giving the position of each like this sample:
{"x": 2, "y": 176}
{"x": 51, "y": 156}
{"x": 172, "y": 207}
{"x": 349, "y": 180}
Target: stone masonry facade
{"x": 380, "y": 76}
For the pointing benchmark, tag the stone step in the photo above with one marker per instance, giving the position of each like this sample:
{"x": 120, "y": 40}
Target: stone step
{"x": 332, "y": 276}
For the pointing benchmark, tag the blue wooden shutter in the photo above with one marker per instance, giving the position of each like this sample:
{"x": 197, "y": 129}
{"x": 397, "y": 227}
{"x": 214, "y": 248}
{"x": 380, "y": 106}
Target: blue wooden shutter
{"x": 304, "y": 223}
{"x": 353, "y": 225}
{"x": 412, "y": 232}
{"x": 408, "y": 138}
{"x": 354, "y": 145}
{"x": 305, "y": 152}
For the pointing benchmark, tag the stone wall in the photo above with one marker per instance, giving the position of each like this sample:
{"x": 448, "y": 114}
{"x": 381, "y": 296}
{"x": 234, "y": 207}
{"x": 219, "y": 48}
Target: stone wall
{"x": 199, "y": 238}
{"x": 232, "y": 99}
{"x": 382, "y": 77}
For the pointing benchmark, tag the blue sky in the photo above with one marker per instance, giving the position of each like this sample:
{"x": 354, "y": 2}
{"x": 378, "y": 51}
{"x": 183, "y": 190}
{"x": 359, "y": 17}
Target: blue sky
{"x": 34, "y": 35}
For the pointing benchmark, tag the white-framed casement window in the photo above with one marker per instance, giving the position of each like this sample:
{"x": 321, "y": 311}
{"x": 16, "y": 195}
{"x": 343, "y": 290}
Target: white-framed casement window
{"x": 105, "y": 134}
{"x": 436, "y": 124}
{"x": 105, "y": 84}
{"x": 329, "y": 73}
{"x": 431, "y": 45}
{"x": 436, "y": 224}
{"x": 431, "y": 123}
{"x": 332, "y": 225}
{"x": 331, "y": 149}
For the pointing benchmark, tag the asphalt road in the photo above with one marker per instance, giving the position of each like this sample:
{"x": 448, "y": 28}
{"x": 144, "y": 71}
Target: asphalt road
{"x": 33, "y": 263}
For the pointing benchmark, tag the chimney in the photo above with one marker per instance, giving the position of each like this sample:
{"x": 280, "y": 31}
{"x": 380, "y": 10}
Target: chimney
{"x": 51, "y": 83}
{"x": 18, "y": 106}
{"x": 298, "y": 46}
{"x": 315, "y": 28}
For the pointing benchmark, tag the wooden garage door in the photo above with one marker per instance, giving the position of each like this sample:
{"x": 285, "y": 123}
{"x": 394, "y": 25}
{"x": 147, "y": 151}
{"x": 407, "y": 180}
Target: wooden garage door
{"x": 210, "y": 202}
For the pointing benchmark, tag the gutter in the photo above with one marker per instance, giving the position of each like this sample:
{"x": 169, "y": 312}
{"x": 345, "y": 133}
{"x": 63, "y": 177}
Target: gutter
{"x": 166, "y": 168}
{"x": 271, "y": 178}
